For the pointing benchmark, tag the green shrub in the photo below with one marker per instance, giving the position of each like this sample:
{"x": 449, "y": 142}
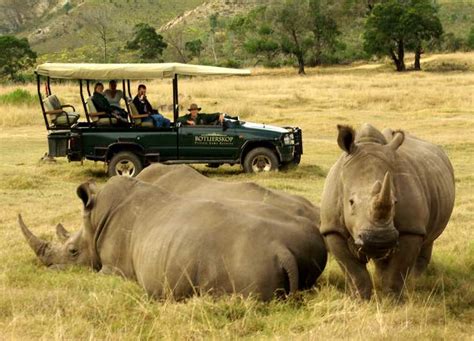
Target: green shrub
{"x": 470, "y": 39}
{"x": 18, "y": 96}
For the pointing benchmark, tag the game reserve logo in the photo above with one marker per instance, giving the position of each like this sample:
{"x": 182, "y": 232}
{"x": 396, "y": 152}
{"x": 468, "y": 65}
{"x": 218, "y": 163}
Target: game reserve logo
{"x": 213, "y": 139}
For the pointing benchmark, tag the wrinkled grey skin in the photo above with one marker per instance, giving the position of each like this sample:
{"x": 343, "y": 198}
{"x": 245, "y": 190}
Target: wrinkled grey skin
{"x": 386, "y": 199}
{"x": 180, "y": 244}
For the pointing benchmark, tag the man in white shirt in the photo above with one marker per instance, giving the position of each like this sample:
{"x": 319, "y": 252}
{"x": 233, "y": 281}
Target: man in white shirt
{"x": 113, "y": 95}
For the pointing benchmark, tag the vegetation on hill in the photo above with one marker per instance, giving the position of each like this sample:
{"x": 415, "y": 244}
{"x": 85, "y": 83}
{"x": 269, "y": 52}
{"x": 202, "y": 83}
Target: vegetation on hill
{"x": 219, "y": 32}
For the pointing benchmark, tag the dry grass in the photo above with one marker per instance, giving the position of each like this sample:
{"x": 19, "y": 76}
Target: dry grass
{"x": 78, "y": 304}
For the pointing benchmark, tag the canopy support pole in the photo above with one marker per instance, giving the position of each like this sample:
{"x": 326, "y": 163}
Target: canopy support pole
{"x": 48, "y": 87}
{"x": 38, "y": 84}
{"x": 126, "y": 98}
{"x": 88, "y": 88}
{"x": 84, "y": 102}
{"x": 175, "y": 99}
{"x": 129, "y": 89}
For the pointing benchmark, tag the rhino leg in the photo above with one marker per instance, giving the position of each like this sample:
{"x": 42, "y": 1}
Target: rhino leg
{"x": 354, "y": 269}
{"x": 423, "y": 259}
{"x": 392, "y": 273}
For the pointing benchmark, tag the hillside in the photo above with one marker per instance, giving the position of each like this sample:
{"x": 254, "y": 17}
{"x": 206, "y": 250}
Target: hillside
{"x": 61, "y": 30}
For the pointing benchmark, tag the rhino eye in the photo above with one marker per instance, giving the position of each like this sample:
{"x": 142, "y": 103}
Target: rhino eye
{"x": 351, "y": 202}
{"x": 73, "y": 252}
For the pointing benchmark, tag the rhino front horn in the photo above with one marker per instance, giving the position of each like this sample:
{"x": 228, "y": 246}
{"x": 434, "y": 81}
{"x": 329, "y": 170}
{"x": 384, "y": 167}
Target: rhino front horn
{"x": 39, "y": 246}
{"x": 385, "y": 196}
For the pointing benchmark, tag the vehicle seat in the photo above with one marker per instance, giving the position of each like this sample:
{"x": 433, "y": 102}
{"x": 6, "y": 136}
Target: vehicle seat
{"x": 98, "y": 118}
{"x": 58, "y": 117}
{"x": 136, "y": 117}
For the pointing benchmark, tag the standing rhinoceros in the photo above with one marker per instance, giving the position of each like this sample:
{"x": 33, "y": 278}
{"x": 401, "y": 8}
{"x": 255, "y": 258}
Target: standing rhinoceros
{"x": 387, "y": 198}
{"x": 178, "y": 245}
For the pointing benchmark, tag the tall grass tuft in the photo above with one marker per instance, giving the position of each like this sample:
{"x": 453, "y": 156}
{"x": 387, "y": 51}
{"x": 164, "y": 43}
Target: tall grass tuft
{"x": 17, "y": 97}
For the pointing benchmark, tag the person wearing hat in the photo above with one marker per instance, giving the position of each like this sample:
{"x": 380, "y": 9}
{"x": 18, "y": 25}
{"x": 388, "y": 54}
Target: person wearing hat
{"x": 195, "y": 118}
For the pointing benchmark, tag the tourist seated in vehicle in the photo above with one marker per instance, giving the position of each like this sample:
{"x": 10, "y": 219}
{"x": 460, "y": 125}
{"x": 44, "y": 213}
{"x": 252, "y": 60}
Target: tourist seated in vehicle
{"x": 195, "y": 118}
{"x": 113, "y": 95}
{"x": 144, "y": 108}
{"x": 102, "y": 104}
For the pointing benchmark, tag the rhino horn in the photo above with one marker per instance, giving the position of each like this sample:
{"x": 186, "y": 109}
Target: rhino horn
{"x": 62, "y": 233}
{"x": 39, "y": 246}
{"x": 383, "y": 202}
{"x": 385, "y": 195}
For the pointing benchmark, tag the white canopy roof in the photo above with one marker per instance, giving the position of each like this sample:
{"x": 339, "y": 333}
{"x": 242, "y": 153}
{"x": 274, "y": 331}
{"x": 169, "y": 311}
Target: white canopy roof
{"x": 131, "y": 71}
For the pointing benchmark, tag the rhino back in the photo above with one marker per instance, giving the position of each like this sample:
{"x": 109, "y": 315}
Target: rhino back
{"x": 424, "y": 179}
{"x": 184, "y": 180}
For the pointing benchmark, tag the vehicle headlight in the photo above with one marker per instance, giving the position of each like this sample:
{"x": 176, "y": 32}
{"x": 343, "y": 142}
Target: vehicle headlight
{"x": 289, "y": 139}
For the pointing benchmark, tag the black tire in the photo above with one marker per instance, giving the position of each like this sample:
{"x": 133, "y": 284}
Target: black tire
{"x": 125, "y": 164}
{"x": 260, "y": 160}
{"x": 291, "y": 164}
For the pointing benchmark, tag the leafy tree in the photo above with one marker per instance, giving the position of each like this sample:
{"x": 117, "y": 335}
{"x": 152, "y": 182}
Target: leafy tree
{"x": 424, "y": 25}
{"x": 263, "y": 44}
{"x": 16, "y": 55}
{"x": 470, "y": 39}
{"x": 194, "y": 48}
{"x": 398, "y": 25}
{"x": 292, "y": 20}
{"x": 150, "y": 44}
{"x": 324, "y": 29}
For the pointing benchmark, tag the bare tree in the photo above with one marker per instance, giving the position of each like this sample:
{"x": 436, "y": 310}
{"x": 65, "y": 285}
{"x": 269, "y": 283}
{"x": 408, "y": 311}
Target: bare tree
{"x": 99, "y": 22}
{"x": 175, "y": 38}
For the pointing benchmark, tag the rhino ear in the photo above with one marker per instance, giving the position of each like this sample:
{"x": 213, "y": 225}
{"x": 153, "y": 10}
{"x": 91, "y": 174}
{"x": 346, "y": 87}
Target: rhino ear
{"x": 346, "y": 137}
{"x": 86, "y": 192}
{"x": 397, "y": 139}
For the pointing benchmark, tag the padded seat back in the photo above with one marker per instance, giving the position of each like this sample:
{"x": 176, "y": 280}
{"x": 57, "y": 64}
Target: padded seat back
{"x": 97, "y": 119}
{"x": 138, "y": 120}
{"x": 52, "y": 103}
{"x": 59, "y": 118}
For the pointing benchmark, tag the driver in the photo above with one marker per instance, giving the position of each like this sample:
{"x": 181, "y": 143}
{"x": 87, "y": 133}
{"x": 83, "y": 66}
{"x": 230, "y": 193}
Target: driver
{"x": 195, "y": 118}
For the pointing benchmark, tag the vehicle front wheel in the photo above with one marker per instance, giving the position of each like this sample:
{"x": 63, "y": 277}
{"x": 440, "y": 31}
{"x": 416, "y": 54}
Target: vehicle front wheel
{"x": 125, "y": 164}
{"x": 260, "y": 160}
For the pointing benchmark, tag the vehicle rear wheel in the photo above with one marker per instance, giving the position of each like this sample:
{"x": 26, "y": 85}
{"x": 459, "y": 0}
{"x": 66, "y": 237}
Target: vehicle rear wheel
{"x": 260, "y": 160}
{"x": 125, "y": 164}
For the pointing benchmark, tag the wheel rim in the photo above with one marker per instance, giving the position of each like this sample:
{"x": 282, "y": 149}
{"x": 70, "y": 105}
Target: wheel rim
{"x": 125, "y": 168}
{"x": 261, "y": 163}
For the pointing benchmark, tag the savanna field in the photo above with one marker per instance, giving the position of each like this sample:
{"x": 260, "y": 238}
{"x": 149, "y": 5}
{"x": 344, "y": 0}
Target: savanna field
{"x": 436, "y": 104}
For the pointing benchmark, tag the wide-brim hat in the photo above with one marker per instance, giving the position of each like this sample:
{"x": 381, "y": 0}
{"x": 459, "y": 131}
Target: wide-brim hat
{"x": 194, "y": 106}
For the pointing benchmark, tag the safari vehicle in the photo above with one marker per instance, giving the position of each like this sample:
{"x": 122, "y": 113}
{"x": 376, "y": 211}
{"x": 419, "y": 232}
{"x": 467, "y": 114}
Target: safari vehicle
{"x": 126, "y": 149}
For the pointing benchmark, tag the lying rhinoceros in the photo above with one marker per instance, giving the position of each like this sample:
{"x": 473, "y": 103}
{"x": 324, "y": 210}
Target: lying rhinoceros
{"x": 387, "y": 198}
{"x": 177, "y": 245}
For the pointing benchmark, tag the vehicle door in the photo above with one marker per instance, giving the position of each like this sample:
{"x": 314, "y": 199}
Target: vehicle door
{"x": 159, "y": 141}
{"x": 209, "y": 143}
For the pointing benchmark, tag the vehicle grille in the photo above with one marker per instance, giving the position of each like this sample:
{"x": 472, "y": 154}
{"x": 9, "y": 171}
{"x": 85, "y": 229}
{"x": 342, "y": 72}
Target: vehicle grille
{"x": 298, "y": 140}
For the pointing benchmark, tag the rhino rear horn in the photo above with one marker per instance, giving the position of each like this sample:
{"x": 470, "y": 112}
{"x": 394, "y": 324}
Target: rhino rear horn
{"x": 39, "y": 246}
{"x": 62, "y": 233}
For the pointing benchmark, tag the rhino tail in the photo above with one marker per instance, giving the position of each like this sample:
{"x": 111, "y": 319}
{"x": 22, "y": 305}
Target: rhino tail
{"x": 289, "y": 265}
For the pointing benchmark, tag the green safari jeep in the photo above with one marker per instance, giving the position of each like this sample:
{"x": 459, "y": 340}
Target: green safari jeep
{"x": 128, "y": 148}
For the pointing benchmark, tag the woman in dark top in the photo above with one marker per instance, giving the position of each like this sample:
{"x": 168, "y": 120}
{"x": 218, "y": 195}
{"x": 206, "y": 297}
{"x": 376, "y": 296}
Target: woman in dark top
{"x": 102, "y": 104}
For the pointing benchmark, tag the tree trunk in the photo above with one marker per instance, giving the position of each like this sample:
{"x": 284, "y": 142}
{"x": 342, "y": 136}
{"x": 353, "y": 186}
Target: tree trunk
{"x": 300, "y": 64}
{"x": 418, "y": 53}
{"x": 401, "y": 56}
